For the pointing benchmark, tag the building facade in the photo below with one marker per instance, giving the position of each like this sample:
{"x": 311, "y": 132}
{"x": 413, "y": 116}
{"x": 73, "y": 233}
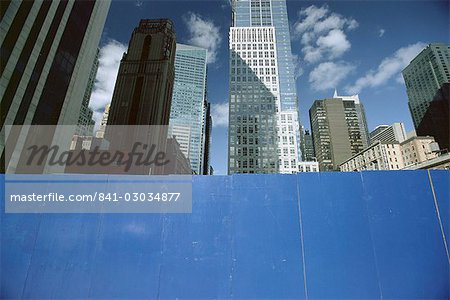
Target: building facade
{"x": 442, "y": 162}
{"x": 389, "y": 133}
{"x": 179, "y": 162}
{"x": 378, "y": 156}
{"x": 424, "y": 76}
{"x": 382, "y": 155}
{"x": 48, "y": 50}
{"x": 85, "y": 121}
{"x": 143, "y": 91}
{"x": 100, "y": 133}
{"x": 418, "y": 149}
{"x": 308, "y": 166}
{"x": 189, "y": 105}
{"x": 377, "y": 130}
{"x": 436, "y": 121}
{"x": 142, "y": 97}
{"x": 307, "y": 147}
{"x": 207, "y": 140}
{"x": 339, "y": 130}
{"x": 263, "y": 109}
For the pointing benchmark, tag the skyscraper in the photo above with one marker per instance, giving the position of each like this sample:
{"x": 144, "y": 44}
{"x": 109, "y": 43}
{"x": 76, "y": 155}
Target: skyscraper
{"x": 394, "y": 133}
{"x": 424, "y": 76}
{"x": 188, "y": 111}
{"x": 47, "y": 52}
{"x": 339, "y": 130}
{"x": 263, "y": 111}
{"x": 307, "y": 147}
{"x": 85, "y": 122}
{"x": 208, "y": 121}
{"x": 143, "y": 91}
{"x": 100, "y": 133}
{"x": 436, "y": 121}
{"x": 377, "y": 130}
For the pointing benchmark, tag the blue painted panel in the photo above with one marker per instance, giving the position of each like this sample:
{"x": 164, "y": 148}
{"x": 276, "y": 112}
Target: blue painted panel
{"x": 124, "y": 275}
{"x": 365, "y": 235}
{"x": 127, "y": 256}
{"x": 196, "y": 253}
{"x": 406, "y": 236}
{"x": 73, "y": 237}
{"x": 266, "y": 246}
{"x": 18, "y": 237}
{"x": 336, "y": 235}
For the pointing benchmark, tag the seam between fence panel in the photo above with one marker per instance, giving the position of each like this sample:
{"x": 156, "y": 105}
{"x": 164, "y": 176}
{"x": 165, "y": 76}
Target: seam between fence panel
{"x": 436, "y": 206}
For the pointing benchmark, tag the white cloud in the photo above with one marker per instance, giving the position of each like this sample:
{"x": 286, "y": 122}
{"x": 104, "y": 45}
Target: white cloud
{"x": 335, "y": 43}
{"x": 352, "y": 24}
{"x": 328, "y": 75}
{"x": 109, "y": 61}
{"x": 389, "y": 68}
{"x": 381, "y": 32}
{"x": 219, "y": 114}
{"x": 322, "y": 33}
{"x": 203, "y": 33}
{"x": 312, "y": 15}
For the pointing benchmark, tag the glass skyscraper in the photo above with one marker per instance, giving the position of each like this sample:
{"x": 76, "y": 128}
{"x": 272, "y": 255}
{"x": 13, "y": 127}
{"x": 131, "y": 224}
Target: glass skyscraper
{"x": 47, "y": 51}
{"x": 263, "y": 121}
{"x": 189, "y": 106}
{"x": 85, "y": 121}
{"x": 424, "y": 76}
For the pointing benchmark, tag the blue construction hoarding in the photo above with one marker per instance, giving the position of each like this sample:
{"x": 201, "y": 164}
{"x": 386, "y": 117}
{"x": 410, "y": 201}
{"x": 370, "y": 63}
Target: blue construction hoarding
{"x": 312, "y": 235}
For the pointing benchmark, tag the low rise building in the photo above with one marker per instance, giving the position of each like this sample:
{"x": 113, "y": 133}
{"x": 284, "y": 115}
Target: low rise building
{"x": 441, "y": 162}
{"x": 308, "y": 166}
{"x": 379, "y": 156}
{"x": 418, "y": 149}
{"x": 392, "y": 156}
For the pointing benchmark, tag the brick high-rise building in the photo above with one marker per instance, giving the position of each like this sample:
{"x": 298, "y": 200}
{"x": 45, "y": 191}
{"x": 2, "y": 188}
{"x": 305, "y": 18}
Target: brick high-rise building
{"x": 143, "y": 91}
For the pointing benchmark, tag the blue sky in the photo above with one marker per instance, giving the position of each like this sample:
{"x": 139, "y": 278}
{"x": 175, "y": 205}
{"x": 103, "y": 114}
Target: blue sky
{"x": 354, "y": 46}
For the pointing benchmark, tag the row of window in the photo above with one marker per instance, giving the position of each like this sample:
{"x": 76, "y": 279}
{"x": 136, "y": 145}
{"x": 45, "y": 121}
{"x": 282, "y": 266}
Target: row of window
{"x": 252, "y": 163}
{"x": 254, "y": 54}
{"x": 252, "y": 46}
{"x": 255, "y": 119}
{"x": 261, "y": 71}
{"x": 254, "y": 62}
{"x": 286, "y": 151}
{"x": 286, "y": 163}
{"x": 255, "y": 79}
{"x": 252, "y": 35}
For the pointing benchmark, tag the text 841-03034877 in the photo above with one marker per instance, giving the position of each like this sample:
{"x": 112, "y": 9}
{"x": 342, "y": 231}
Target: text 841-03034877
{"x": 157, "y": 197}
